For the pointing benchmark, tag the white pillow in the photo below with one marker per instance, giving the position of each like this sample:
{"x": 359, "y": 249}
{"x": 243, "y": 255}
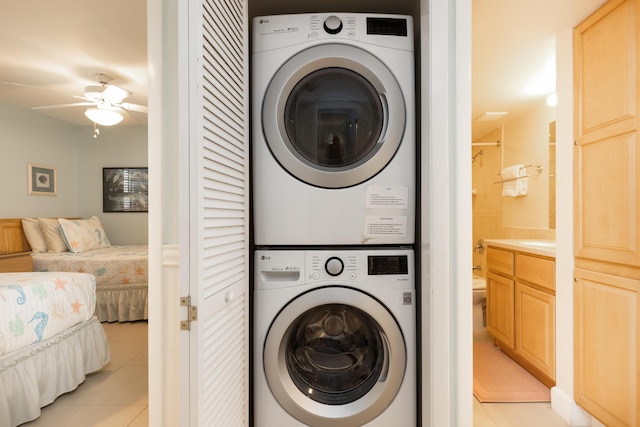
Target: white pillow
{"x": 32, "y": 232}
{"x": 83, "y": 234}
{"x": 51, "y": 230}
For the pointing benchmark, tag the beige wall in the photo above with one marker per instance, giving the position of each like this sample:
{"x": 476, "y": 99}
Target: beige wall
{"x": 497, "y": 217}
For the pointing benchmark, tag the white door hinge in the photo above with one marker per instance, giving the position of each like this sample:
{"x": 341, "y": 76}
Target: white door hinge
{"x": 192, "y": 313}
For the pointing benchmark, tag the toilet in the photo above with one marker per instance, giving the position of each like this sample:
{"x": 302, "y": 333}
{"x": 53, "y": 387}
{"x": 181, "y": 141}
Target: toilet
{"x": 479, "y": 303}
{"x": 479, "y": 290}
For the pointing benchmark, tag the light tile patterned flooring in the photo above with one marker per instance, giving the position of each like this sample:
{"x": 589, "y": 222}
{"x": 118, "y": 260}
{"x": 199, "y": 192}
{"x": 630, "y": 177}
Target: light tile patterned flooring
{"x": 115, "y": 396}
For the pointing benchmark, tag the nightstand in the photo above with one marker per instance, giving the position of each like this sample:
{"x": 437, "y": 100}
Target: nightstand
{"x": 20, "y": 261}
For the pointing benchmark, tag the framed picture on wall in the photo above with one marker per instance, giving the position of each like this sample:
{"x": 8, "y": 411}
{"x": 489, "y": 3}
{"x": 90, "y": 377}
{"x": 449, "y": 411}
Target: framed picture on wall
{"x": 41, "y": 180}
{"x": 125, "y": 190}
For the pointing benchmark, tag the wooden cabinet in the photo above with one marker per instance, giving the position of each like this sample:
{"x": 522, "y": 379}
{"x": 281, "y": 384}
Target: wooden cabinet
{"x": 606, "y": 213}
{"x": 521, "y": 309}
{"x": 16, "y": 262}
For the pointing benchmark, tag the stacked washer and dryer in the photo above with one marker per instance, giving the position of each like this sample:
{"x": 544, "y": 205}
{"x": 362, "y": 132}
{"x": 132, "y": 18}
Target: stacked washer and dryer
{"x": 334, "y": 177}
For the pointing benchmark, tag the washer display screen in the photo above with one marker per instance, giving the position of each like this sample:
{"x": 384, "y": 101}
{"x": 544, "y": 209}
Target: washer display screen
{"x": 386, "y": 264}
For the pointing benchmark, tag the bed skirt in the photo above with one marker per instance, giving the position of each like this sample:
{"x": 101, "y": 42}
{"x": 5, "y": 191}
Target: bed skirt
{"x": 122, "y": 303}
{"x": 35, "y": 376}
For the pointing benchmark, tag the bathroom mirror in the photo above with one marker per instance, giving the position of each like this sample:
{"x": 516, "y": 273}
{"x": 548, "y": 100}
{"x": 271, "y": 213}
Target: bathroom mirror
{"x": 527, "y": 142}
{"x": 552, "y": 175}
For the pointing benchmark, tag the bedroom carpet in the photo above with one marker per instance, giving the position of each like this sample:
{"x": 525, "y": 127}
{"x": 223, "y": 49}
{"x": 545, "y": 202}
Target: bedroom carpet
{"x": 497, "y": 378}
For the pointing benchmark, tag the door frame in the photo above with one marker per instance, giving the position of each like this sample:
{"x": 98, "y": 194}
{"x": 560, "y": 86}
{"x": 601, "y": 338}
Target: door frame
{"x": 445, "y": 226}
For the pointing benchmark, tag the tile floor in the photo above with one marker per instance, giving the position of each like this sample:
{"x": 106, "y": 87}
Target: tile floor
{"x": 115, "y": 396}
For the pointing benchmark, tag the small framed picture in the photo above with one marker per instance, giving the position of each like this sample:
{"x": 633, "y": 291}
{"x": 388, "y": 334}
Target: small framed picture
{"x": 125, "y": 190}
{"x": 41, "y": 180}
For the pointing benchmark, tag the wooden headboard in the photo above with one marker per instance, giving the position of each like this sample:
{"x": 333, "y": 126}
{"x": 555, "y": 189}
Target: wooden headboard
{"x": 12, "y": 238}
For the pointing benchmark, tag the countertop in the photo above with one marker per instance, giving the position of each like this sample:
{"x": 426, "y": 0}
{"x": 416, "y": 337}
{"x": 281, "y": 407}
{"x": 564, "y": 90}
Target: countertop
{"x": 532, "y": 246}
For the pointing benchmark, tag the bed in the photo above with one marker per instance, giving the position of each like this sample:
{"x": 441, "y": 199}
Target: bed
{"x": 81, "y": 245}
{"x": 121, "y": 278}
{"x": 49, "y": 340}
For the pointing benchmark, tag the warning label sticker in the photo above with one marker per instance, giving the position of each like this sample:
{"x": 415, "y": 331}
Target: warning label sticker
{"x": 383, "y": 197}
{"x": 377, "y": 226}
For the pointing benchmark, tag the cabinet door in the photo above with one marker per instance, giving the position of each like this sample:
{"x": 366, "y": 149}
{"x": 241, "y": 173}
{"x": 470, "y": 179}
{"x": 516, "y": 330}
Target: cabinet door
{"x": 535, "y": 328}
{"x": 606, "y": 344}
{"x": 500, "y": 299}
{"x": 607, "y": 155}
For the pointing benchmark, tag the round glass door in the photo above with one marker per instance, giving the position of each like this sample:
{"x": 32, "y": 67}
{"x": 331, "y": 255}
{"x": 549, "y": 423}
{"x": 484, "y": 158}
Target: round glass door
{"x": 334, "y": 358}
{"x": 335, "y": 353}
{"x": 333, "y": 116}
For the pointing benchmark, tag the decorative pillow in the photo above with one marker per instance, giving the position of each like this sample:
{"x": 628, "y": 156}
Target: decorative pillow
{"x": 83, "y": 234}
{"x": 32, "y": 232}
{"x": 51, "y": 230}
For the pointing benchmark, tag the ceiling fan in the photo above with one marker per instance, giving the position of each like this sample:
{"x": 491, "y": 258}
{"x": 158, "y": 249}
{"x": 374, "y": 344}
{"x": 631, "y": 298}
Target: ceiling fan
{"x": 105, "y": 102}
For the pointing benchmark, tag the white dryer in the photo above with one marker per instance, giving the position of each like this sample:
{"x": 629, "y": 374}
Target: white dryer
{"x": 333, "y": 138}
{"x": 334, "y": 338}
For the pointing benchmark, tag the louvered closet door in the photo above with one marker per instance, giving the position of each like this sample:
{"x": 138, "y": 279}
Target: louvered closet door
{"x": 219, "y": 212}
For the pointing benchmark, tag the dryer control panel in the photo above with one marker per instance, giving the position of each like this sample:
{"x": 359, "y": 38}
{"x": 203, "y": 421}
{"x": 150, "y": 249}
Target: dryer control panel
{"x": 272, "y": 32}
{"x": 377, "y": 267}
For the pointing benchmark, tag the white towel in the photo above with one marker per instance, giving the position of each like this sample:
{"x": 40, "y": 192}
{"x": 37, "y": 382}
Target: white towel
{"x": 514, "y": 186}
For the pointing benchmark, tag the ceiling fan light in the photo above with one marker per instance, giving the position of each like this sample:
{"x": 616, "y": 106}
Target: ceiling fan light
{"x": 103, "y": 117}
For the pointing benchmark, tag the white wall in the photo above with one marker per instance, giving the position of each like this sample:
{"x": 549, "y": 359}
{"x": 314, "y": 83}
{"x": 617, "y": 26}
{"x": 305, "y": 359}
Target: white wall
{"x": 27, "y": 136}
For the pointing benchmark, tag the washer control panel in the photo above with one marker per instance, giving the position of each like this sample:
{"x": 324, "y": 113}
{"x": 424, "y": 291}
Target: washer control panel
{"x": 384, "y": 267}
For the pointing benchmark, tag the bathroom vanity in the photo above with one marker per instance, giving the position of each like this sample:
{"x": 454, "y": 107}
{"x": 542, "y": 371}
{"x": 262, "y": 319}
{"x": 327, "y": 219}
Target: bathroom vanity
{"x": 521, "y": 303}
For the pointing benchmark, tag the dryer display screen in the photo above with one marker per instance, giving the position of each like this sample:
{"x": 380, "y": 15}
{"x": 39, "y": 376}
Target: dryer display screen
{"x": 387, "y": 26}
{"x": 388, "y": 264}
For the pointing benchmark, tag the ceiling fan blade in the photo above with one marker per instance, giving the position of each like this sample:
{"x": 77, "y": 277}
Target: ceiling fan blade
{"x": 52, "y": 107}
{"x": 133, "y": 107}
{"x": 115, "y": 94}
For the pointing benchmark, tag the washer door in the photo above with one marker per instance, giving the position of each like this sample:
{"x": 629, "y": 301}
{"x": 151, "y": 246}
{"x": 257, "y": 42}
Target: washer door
{"x": 334, "y": 356}
{"x": 333, "y": 116}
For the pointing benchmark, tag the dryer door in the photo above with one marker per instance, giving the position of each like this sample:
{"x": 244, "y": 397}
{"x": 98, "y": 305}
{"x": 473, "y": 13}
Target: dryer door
{"x": 334, "y": 356}
{"x": 333, "y": 116}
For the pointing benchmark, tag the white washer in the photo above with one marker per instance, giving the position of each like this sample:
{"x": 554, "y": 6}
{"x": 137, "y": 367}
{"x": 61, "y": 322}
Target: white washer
{"x": 334, "y": 338}
{"x": 333, "y": 139}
